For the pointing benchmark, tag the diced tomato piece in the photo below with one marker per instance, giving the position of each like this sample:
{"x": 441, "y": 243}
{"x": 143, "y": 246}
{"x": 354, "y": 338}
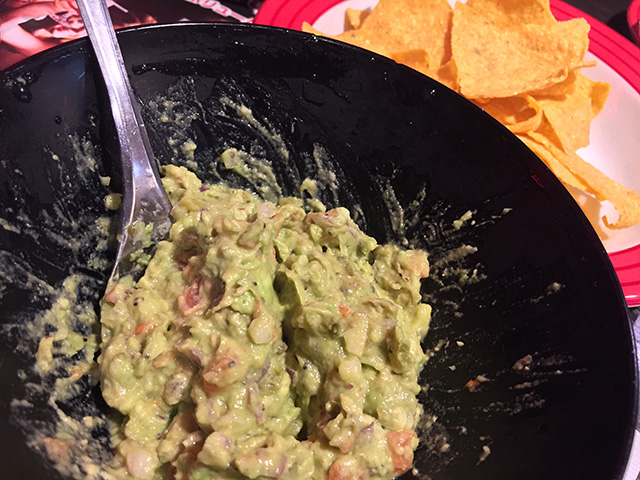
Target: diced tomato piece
{"x": 189, "y": 300}
{"x": 344, "y": 310}
{"x": 117, "y": 292}
{"x": 347, "y": 469}
{"x": 144, "y": 328}
{"x": 472, "y": 385}
{"x": 399, "y": 444}
{"x": 225, "y": 368}
{"x": 418, "y": 263}
{"x": 111, "y": 296}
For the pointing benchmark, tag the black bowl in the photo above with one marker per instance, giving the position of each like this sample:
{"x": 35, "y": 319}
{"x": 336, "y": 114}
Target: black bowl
{"x": 534, "y": 280}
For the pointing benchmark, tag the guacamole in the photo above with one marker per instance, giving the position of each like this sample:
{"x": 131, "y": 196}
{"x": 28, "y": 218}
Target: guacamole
{"x": 264, "y": 341}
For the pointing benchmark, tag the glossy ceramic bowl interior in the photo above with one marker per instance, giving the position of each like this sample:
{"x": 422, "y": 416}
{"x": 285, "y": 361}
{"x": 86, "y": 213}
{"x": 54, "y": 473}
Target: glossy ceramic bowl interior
{"x": 534, "y": 281}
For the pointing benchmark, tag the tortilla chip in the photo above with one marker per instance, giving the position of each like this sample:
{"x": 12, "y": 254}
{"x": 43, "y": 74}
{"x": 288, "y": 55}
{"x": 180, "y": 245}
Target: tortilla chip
{"x": 625, "y": 201}
{"x": 447, "y": 74}
{"x": 563, "y": 88}
{"x": 494, "y": 62}
{"x": 511, "y": 14}
{"x": 570, "y": 115}
{"x": 520, "y": 114}
{"x": 559, "y": 170}
{"x": 436, "y": 17}
{"x": 308, "y": 28}
{"x": 599, "y": 94}
{"x": 425, "y": 27}
{"x": 353, "y": 18}
{"x": 416, "y": 59}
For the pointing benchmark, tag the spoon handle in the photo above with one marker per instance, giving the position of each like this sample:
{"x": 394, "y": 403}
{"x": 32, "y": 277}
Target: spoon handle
{"x": 144, "y": 198}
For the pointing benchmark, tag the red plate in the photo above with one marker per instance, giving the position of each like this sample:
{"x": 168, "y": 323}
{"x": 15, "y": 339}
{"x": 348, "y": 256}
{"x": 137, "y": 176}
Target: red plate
{"x": 610, "y": 47}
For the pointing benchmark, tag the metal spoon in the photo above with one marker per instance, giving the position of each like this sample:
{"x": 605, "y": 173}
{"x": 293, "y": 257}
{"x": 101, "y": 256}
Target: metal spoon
{"x": 144, "y": 202}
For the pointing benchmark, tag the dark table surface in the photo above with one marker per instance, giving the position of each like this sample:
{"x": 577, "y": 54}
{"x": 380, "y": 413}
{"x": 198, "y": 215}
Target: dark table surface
{"x": 612, "y": 13}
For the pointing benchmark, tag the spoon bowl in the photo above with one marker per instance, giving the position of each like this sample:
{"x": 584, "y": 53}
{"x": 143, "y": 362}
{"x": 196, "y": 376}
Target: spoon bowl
{"x": 145, "y": 205}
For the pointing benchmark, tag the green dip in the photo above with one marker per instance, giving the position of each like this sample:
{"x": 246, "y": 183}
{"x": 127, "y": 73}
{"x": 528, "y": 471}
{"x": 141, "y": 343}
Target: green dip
{"x": 264, "y": 342}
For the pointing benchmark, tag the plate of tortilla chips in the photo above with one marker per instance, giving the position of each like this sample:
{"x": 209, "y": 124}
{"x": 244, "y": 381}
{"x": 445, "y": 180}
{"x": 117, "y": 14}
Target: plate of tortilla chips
{"x": 564, "y": 83}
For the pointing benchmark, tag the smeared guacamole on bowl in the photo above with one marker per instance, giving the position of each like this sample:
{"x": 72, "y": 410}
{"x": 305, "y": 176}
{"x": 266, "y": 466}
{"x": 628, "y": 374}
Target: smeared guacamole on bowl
{"x": 264, "y": 341}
